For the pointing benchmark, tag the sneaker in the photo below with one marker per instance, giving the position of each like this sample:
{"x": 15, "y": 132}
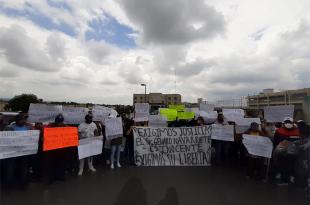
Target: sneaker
{"x": 92, "y": 169}
{"x": 282, "y": 184}
{"x": 80, "y": 173}
{"x": 112, "y": 166}
{"x": 119, "y": 165}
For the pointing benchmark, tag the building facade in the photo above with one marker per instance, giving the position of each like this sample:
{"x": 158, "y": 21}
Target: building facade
{"x": 270, "y": 98}
{"x": 157, "y": 99}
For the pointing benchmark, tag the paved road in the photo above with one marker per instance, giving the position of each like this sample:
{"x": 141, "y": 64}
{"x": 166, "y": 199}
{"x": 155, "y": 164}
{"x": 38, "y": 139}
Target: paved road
{"x": 156, "y": 186}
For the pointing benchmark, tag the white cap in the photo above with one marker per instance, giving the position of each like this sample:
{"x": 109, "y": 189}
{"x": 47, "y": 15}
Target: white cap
{"x": 288, "y": 119}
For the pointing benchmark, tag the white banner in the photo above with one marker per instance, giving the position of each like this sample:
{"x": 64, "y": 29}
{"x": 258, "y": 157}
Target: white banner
{"x": 206, "y": 107}
{"x": 243, "y": 124}
{"x": 43, "y": 112}
{"x": 113, "y": 128}
{"x": 141, "y": 117}
{"x": 157, "y": 121}
{"x": 90, "y": 146}
{"x": 74, "y": 115}
{"x": 258, "y": 145}
{"x": 182, "y": 146}
{"x": 232, "y": 115}
{"x": 278, "y": 113}
{"x": 223, "y": 132}
{"x": 18, "y": 143}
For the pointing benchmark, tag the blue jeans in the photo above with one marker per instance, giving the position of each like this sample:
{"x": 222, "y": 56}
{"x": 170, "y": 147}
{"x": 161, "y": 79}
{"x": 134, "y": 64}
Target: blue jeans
{"x": 115, "y": 149}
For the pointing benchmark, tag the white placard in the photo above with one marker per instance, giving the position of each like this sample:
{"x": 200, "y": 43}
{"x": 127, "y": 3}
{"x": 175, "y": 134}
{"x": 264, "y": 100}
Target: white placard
{"x": 243, "y": 124}
{"x": 142, "y": 108}
{"x": 89, "y": 147}
{"x": 223, "y": 132}
{"x": 113, "y": 128}
{"x": 100, "y": 113}
{"x": 157, "y": 121}
{"x": 232, "y": 115}
{"x": 206, "y": 107}
{"x": 43, "y": 112}
{"x": 172, "y": 146}
{"x": 141, "y": 117}
{"x": 18, "y": 143}
{"x": 278, "y": 113}
{"x": 258, "y": 145}
{"x": 74, "y": 115}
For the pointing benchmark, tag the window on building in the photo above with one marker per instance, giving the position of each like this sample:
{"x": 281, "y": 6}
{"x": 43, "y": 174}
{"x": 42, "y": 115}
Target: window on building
{"x": 175, "y": 98}
{"x": 169, "y": 98}
{"x": 135, "y": 97}
{"x": 141, "y": 98}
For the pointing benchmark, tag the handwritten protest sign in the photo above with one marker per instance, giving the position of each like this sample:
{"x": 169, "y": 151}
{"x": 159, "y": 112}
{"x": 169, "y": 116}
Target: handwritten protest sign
{"x": 233, "y": 115}
{"x": 90, "y": 146}
{"x": 278, "y": 113}
{"x": 185, "y": 115}
{"x": 74, "y": 115}
{"x": 223, "y": 132}
{"x": 258, "y": 145}
{"x": 157, "y": 121}
{"x": 18, "y": 143}
{"x": 113, "y": 128}
{"x": 243, "y": 124}
{"x": 170, "y": 114}
{"x": 100, "y": 113}
{"x": 142, "y": 112}
{"x": 206, "y": 107}
{"x": 182, "y": 146}
{"x": 178, "y": 108}
{"x": 43, "y": 112}
{"x": 60, "y": 137}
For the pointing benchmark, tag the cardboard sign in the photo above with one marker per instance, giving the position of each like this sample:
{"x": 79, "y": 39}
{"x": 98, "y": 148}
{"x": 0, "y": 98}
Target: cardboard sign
{"x": 74, "y": 115}
{"x": 18, "y": 143}
{"x": 43, "y": 112}
{"x": 170, "y": 114}
{"x": 113, "y": 128}
{"x": 278, "y": 113}
{"x": 232, "y": 115}
{"x": 172, "y": 146}
{"x": 90, "y": 147}
{"x": 157, "y": 121}
{"x": 258, "y": 145}
{"x": 243, "y": 124}
{"x": 206, "y": 107}
{"x": 223, "y": 132}
{"x": 60, "y": 137}
{"x": 178, "y": 108}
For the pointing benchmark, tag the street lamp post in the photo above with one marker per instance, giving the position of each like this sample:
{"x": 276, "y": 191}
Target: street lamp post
{"x": 144, "y": 91}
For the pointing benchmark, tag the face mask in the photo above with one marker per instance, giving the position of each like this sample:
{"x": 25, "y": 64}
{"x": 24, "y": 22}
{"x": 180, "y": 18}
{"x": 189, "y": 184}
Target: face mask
{"x": 288, "y": 125}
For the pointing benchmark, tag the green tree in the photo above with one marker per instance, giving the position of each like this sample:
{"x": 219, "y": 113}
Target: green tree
{"x": 22, "y": 102}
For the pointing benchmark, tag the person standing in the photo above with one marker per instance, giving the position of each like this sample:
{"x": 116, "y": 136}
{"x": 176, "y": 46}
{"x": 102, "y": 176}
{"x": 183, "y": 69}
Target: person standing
{"x": 130, "y": 142}
{"x": 16, "y": 168}
{"x": 87, "y": 129}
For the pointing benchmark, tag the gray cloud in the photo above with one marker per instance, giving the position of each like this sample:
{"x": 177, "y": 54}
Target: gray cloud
{"x": 56, "y": 46}
{"x": 99, "y": 51}
{"x": 188, "y": 69}
{"x": 174, "y": 21}
{"x": 21, "y": 50}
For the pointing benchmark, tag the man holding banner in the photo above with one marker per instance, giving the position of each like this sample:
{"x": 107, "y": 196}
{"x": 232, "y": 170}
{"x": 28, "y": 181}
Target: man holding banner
{"x": 87, "y": 129}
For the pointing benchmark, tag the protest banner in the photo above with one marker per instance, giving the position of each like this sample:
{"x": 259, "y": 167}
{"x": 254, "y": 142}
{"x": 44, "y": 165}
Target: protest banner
{"x": 223, "y": 132}
{"x": 258, "y": 145}
{"x": 182, "y": 146}
{"x": 113, "y": 128}
{"x": 170, "y": 114}
{"x": 142, "y": 112}
{"x": 243, "y": 124}
{"x": 43, "y": 112}
{"x": 278, "y": 113}
{"x": 178, "y": 108}
{"x": 206, "y": 107}
{"x": 18, "y": 143}
{"x": 100, "y": 113}
{"x": 59, "y": 137}
{"x": 185, "y": 115}
{"x": 233, "y": 115}
{"x": 90, "y": 146}
{"x": 74, "y": 115}
{"x": 157, "y": 121}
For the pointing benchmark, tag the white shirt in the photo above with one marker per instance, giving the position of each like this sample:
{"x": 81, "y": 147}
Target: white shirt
{"x": 87, "y": 130}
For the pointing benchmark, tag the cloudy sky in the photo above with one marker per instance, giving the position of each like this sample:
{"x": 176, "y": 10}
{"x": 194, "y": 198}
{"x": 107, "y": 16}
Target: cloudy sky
{"x": 102, "y": 50}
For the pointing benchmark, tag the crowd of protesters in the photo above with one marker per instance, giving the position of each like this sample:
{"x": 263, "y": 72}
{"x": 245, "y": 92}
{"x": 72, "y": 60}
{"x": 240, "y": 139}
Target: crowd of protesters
{"x": 285, "y": 166}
